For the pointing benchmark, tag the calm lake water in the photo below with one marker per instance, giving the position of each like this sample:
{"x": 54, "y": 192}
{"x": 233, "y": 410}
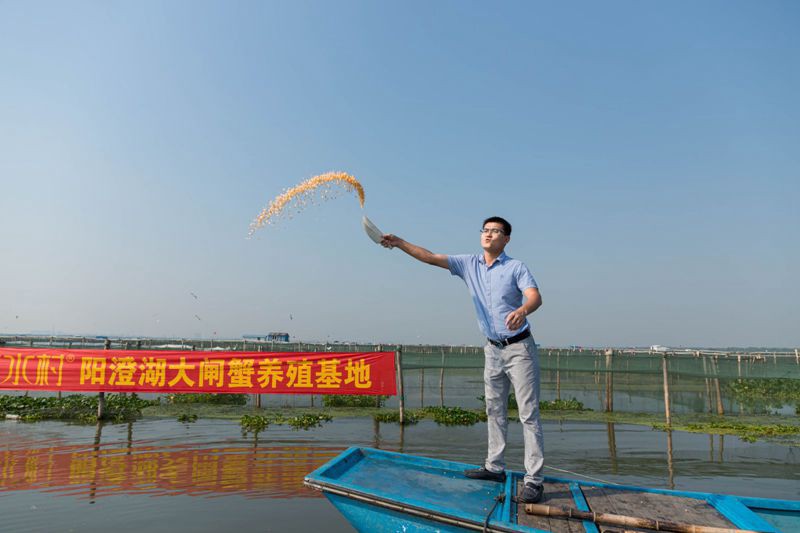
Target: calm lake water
{"x": 162, "y": 475}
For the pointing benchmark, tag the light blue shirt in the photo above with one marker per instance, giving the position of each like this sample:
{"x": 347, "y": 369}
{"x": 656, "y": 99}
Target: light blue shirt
{"x": 496, "y": 290}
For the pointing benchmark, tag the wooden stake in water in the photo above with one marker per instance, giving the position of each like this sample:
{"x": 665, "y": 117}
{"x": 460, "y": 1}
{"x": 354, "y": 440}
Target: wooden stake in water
{"x": 398, "y": 358}
{"x": 609, "y": 381}
{"x": 101, "y": 397}
{"x": 666, "y": 391}
{"x": 441, "y": 382}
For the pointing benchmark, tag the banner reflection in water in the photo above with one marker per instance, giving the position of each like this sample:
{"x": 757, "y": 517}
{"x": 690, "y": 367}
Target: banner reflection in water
{"x": 104, "y": 470}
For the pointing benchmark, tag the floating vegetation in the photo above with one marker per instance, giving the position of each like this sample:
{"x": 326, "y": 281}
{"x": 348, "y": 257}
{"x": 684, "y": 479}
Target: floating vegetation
{"x": 254, "y": 423}
{"x": 562, "y": 405}
{"x": 454, "y": 416}
{"x": 187, "y": 417}
{"x": 216, "y": 399}
{"x": 300, "y": 196}
{"x": 409, "y": 418}
{"x": 745, "y": 431}
{"x": 353, "y": 400}
{"x": 257, "y": 423}
{"x": 308, "y": 421}
{"x": 546, "y": 405}
{"x": 76, "y": 407}
{"x": 771, "y": 393}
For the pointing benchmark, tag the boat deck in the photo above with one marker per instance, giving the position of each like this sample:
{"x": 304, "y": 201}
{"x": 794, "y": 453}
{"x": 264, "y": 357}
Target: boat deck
{"x": 386, "y": 492}
{"x": 622, "y": 502}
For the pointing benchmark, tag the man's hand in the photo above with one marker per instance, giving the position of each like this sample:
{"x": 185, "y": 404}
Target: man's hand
{"x": 417, "y": 252}
{"x": 515, "y": 319}
{"x": 390, "y": 241}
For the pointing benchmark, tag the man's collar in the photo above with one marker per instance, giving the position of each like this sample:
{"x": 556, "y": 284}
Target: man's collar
{"x": 500, "y": 258}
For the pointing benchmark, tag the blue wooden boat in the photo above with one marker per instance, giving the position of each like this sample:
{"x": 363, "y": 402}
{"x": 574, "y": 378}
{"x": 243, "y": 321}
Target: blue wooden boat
{"x": 381, "y": 491}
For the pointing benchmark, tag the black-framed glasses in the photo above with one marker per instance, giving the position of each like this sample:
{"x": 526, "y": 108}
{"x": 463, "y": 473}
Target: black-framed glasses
{"x": 493, "y": 231}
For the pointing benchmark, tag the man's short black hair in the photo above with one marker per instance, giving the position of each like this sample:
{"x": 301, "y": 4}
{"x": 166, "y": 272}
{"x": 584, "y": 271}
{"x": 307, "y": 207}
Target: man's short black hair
{"x": 499, "y": 220}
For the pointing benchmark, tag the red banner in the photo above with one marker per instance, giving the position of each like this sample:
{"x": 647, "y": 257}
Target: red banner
{"x": 219, "y": 372}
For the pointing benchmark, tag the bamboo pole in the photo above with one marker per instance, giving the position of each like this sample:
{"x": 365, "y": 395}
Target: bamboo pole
{"x": 666, "y": 391}
{"x": 377, "y": 397}
{"x": 441, "y": 382}
{"x": 609, "y": 381}
{"x": 398, "y": 358}
{"x": 101, "y": 396}
{"x": 421, "y": 387}
{"x": 622, "y": 520}
{"x": 708, "y": 383}
{"x": 558, "y": 375}
{"x": 720, "y": 409}
{"x": 258, "y": 396}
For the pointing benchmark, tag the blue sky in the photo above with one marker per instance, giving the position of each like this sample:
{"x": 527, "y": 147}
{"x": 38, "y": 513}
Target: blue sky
{"x": 646, "y": 154}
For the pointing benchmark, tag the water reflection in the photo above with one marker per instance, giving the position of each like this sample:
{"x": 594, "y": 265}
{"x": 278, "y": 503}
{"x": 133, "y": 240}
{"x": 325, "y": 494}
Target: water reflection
{"x": 670, "y": 462}
{"x": 105, "y": 469}
{"x": 612, "y": 447}
{"x": 216, "y": 477}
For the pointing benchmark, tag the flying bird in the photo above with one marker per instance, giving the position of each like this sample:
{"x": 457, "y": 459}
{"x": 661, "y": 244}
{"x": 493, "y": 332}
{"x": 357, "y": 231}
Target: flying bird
{"x": 197, "y": 317}
{"x": 193, "y": 294}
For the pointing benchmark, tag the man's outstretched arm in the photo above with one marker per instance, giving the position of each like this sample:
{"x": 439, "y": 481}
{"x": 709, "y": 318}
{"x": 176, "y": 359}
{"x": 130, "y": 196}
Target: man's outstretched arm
{"x": 417, "y": 252}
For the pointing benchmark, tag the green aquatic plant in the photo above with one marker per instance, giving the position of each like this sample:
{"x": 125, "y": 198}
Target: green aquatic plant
{"x": 353, "y": 400}
{"x": 308, "y": 421}
{"x": 257, "y": 423}
{"x": 75, "y": 407}
{"x": 454, "y": 416}
{"x": 772, "y": 393}
{"x": 216, "y": 399}
{"x": 562, "y": 405}
{"x": 254, "y": 423}
{"x": 748, "y": 432}
{"x": 409, "y": 418}
{"x": 546, "y": 405}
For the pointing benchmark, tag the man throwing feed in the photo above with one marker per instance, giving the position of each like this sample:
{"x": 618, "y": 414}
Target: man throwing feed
{"x": 497, "y": 284}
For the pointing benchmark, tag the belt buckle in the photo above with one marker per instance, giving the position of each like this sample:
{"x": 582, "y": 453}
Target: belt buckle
{"x": 505, "y": 342}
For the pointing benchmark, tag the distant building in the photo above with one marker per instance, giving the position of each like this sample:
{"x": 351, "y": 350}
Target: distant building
{"x": 277, "y": 336}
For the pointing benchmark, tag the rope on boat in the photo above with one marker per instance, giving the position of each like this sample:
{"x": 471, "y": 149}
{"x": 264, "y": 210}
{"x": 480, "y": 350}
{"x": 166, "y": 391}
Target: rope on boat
{"x": 580, "y": 475}
{"x": 497, "y": 499}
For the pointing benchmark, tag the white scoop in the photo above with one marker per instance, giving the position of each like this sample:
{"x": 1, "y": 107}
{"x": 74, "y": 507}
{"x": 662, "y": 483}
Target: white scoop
{"x": 372, "y": 230}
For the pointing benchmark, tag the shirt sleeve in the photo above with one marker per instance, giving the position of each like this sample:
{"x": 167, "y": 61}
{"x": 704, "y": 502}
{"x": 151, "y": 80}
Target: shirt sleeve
{"x": 525, "y": 278}
{"x": 457, "y": 264}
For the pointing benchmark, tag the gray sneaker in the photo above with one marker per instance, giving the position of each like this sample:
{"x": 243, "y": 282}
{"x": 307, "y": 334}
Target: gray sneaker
{"x": 482, "y": 473}
{"x": 531, "y": 493}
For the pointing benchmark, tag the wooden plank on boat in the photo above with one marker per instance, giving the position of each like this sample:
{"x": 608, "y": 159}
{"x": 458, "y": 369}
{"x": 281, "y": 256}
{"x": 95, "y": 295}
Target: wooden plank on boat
{"x": 556, "y": 494}
{"x": 654, "y": 506}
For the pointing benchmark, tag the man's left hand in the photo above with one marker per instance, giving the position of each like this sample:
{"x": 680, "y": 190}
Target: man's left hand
{"x": 515, "y": 319}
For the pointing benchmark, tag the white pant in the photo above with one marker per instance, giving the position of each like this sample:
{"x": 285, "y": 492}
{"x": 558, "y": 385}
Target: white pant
{"x": 518, "y": 365}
